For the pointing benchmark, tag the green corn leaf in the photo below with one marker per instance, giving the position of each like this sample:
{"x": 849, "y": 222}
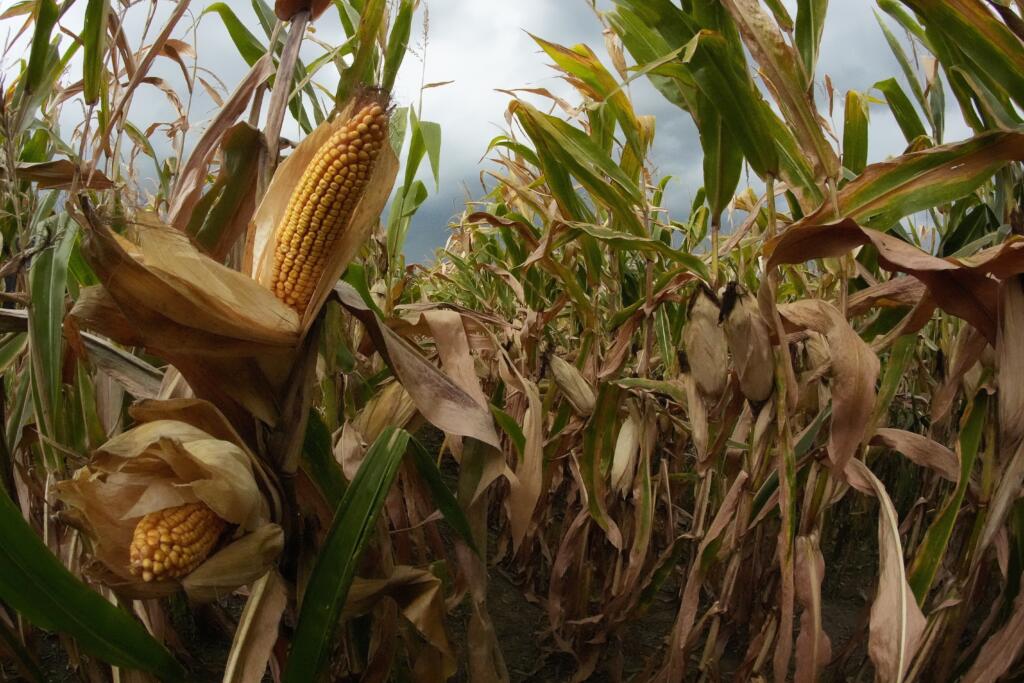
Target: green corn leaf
{"x": 726, "y": 83}
{"x": 248, "y": 46}
{"x": 94, "y": 39}
{"x": 332, "y": 575}
{"x": 39, "y": 53}
{"x": 933, "y": 547}
{"x": 318, "y": 460}
{"x": 906, "y": 116}
{"x": 442, "y": 496}
{"x": 810, "y": 23}
{"x": 855, "y": 132}
{"x": 398, "y": 43}
{"x": 36, "y": 584}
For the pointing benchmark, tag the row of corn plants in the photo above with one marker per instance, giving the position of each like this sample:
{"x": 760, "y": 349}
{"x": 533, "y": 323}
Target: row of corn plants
{"x": 221, "y": 389}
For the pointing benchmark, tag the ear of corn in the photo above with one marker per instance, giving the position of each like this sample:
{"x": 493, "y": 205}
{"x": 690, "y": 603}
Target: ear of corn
{"x": 704, "y": 341}
{"x": 170, "y": 543}
{"x": 574, "y": 386}
{"x": 749, "y": 343}
{"x": 323, "y": 203}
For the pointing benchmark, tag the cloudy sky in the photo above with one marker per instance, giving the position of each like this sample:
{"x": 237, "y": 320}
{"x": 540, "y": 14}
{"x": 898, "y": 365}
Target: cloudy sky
{"x": 483, "y": 46}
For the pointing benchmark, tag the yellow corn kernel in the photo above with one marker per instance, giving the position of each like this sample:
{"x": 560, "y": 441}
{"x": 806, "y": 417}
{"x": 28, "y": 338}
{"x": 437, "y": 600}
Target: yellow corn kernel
{"x": 170, "y": 543}
{"x": 323, "y": 202}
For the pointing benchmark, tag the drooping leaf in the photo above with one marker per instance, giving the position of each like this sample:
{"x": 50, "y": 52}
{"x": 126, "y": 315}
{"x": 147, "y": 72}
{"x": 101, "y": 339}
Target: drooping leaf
{"x": 337, "y": 561}
{"x": 36, "y": 584}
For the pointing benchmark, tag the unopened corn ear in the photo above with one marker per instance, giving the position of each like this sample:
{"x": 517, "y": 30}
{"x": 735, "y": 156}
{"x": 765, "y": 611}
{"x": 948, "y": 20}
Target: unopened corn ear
{"x": 170, "y": 543}
{"x": 749, "y": 343}
{"x": 323, "y": 202}
{"x": 627, "y": 446}
{"x": 704, "y": 340}
{"x": 573, "y": 385}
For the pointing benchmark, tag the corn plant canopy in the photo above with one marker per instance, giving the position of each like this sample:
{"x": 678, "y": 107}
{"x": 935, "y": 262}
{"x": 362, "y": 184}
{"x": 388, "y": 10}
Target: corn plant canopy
{"x": 776, "y": 436}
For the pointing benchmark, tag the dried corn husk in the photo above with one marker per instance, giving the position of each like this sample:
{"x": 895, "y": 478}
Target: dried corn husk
{"x": 228, "y": 335}
{"x": 749, "y": 343}
{"x": 573, "y": 385}
{"x": 627, "y": 446}
{"x": 706, "y": 349}
{"x": 262, "y": 239}
{"x": 392, "y": 406}
{"x": 166, "y": 463}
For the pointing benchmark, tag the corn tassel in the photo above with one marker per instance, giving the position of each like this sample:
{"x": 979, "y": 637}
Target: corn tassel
{"x": 323, "y": 203}
{"x": 170, "y": 543}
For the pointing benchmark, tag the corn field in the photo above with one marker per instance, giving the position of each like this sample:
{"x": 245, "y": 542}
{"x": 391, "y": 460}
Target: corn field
{"x": 780, "y": 437}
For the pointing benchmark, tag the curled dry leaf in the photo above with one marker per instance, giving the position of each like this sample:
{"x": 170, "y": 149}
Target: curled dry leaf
{"x": 813, "y": 647}
{"x": 898, "y": 292}
{"x": 63, "y": 174}
{"x": 1010, "y": 369}
{"x": 920, "y": 450}
{"x": 440, "y": 400}
{"x": 854, "y": 373}
{"x": 286, "y": 9}
{"x": 961, "y": 287}
{"x": 897, "y": 624}
{"x": 420, "y": 597}
{"x": 164, "y": 465}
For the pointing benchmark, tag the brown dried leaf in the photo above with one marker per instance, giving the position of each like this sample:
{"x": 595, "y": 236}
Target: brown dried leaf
{"x": 63, "y": 174}
{"x": 162, "y": 273}
{"x": 897, "y": 292}
{"x": 439, "y": 399}
{"x": 920, "y": 450}
{"x": 419, "y": 595}
{"x": 527, "y": 483}
{"x": 675, "y": 667}
{"x": 961, "y": 287}
{"x": 813, "y": 647}
{"x": 192, "y": 178}
{"x": 257, "y": 630}
{"x": 970, "y": 344}
{"x": 854, "y": 370}
{"x": 897, "y": 624}
{"x": 1009, "y": 370}
{"x": 1001, "y": 650}
{"x": 286, "y": 9}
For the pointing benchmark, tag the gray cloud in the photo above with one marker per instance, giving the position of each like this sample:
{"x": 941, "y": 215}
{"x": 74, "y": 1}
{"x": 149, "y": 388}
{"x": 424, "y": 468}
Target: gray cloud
{"x": 854, "y": 54}
{"x": 482, "y": 46}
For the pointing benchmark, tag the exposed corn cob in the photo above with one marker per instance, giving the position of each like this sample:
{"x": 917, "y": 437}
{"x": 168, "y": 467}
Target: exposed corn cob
{"x": 323, "y": 202}
{"x": 170, "y": 543}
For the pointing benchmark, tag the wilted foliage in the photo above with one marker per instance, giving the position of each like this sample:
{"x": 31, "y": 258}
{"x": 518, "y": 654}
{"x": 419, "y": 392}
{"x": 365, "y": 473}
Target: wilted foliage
{"x": 778, "y": 438}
